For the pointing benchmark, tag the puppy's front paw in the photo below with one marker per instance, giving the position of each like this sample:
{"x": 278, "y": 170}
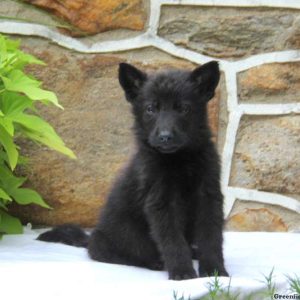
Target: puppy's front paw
{"x": 182, "y": 274}
{"x": 156, "y": 266}
{"x": 213, "y": 272}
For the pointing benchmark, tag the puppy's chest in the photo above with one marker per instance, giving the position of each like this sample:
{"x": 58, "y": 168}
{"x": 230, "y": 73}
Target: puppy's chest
{"x": 181, "y": 175}
{"x": 176, "y": 185}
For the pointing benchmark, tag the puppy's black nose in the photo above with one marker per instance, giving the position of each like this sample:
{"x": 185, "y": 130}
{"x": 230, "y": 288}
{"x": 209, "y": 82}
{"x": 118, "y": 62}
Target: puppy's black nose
{"x": 165, "y": 136}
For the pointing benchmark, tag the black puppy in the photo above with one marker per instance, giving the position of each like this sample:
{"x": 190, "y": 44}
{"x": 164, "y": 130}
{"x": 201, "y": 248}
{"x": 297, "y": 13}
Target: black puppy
{"x": 168, "y": 197}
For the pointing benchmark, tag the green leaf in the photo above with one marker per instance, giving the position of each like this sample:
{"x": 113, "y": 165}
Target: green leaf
{"x": 12, "y": 103}
{"x": 11, "y": 45}
{"x": 3, "y": 156}
{"x": 40, "y": 131}
{"x": 10, "y": 224}
{"x": 37, "y": 124}
{"x": 22, "y": 160}
{"x": 3, "y": 195}
{"x": 3, "y": 49}
{"x": 3, "y": 206}
{"x": 26, "y": 196}
{"x": 9, "y": 181}
{"x": 17, "y": 81}
{"x": 55, "y": 145}
{"x": 18, "y": 95}
{"x": 8, "y": 125}
{"x": 25, "y": 58}
{"x": 13, "y": 57}
{"x": 9, "y": 146}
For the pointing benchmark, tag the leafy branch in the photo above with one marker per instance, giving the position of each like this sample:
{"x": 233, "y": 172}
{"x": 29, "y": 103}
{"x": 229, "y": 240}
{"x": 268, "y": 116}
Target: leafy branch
{"x": 19, "y": 94}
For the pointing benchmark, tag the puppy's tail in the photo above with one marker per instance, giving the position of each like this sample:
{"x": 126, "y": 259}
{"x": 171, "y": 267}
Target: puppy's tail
{"x": 68, "y": 234}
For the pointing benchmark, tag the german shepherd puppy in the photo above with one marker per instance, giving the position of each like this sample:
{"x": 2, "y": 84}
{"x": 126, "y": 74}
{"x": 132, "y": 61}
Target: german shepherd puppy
{"x": 168, "y": 197}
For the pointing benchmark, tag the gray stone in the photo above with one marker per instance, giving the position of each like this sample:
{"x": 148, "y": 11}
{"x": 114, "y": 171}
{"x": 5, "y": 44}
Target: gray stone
{"x": 23, "y": 11}
{"x": 230, "y": 32}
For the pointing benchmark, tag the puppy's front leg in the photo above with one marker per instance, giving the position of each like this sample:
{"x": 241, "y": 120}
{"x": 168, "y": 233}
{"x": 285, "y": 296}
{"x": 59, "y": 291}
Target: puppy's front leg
{"x": 208, "y": 229}
{"x": 167, "y": 233}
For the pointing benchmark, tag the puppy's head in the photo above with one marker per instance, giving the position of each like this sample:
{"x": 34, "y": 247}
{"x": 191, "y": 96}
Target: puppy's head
{"x": 170, "y": 107}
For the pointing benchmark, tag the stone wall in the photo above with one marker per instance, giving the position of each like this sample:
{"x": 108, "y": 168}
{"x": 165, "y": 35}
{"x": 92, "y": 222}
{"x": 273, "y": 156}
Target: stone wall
{"x": 254, "y": 116}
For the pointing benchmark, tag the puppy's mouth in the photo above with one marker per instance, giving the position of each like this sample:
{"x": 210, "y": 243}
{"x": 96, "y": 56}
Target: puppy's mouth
{"x": 167, "y": 149}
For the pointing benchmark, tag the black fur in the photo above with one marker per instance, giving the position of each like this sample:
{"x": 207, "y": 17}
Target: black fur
{"x": 168, "y": 197}
{"x": 68, "y": 234}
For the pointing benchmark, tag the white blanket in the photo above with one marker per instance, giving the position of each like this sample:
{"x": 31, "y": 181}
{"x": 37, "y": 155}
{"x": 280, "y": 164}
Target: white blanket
{"x": 36, "y": 270}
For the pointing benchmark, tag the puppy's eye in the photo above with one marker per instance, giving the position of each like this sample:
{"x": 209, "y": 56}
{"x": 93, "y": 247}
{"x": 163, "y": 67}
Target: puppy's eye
{"x": 150, "y": 109}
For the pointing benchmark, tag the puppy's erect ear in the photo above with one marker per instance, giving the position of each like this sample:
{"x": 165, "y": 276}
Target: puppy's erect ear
{"x": 206, "y": 78}
{"x": 131, "y": 80}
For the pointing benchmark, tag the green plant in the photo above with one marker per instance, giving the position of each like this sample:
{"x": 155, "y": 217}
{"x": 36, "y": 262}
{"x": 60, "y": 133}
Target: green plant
{"x": 294, "y": 283}
{"x": 217, "y": 291}
{"x": 176, "y": 297}
{"x": 19, "y": 94}
{"x": 271, "y": 288}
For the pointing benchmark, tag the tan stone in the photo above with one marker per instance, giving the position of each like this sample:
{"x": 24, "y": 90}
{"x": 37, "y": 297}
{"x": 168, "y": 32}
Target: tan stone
{"x": 270, "y": 83}
{"x": 267, "y": 154}
{"x": 94, "y": 16}
{"x": 261, "y": 219}
{"x": 95, "y": 124}
{"x": 290, "y": 218}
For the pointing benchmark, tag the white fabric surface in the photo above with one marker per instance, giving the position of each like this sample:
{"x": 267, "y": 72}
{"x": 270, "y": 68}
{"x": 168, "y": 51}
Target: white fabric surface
{"x": 31, "y": 269}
